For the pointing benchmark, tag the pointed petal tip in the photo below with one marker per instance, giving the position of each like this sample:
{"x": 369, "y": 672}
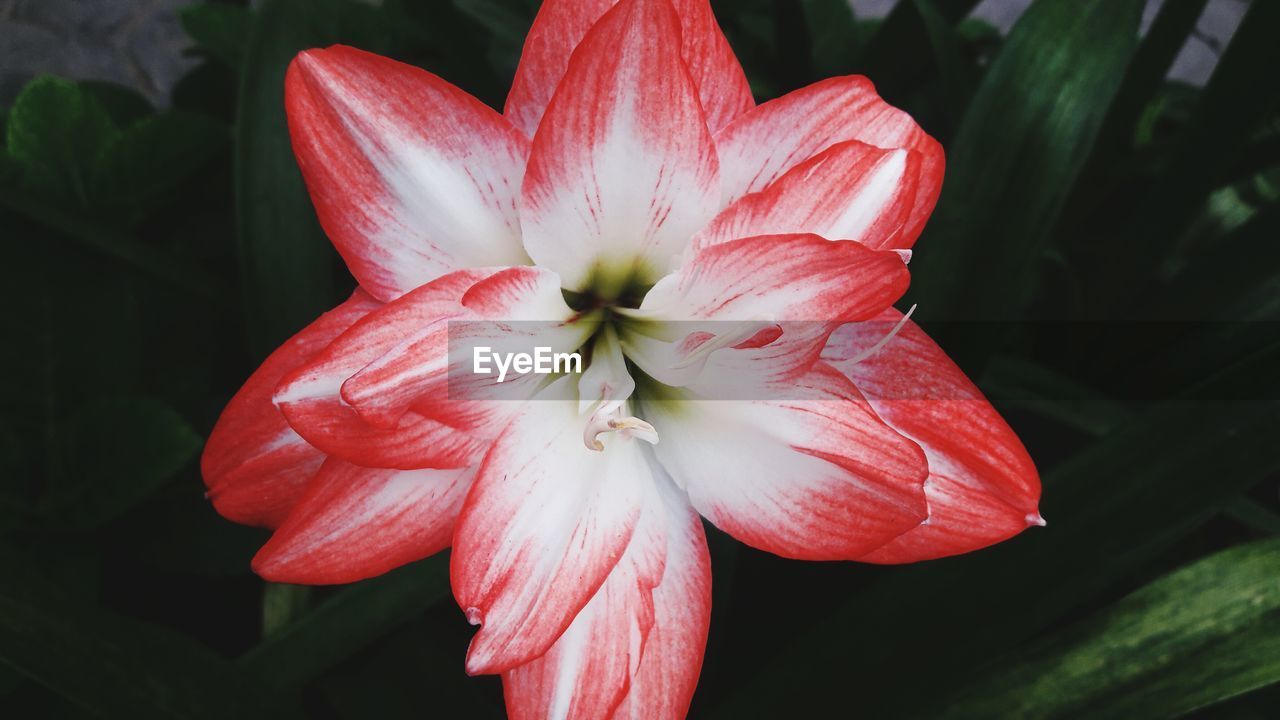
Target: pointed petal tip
{"x": 474, "y": 616}
{"x": 480, "y": 659}
{"x": 1034, "y": 519}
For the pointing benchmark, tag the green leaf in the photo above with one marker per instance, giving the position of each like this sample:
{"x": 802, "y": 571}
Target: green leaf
{"x": 507, "y": 23}
{"x": 387, "y": 681}
{"x": 1014, "y": 383}
{"x": 124, "y": 105}
{"x": 1165, "y": 38}
{"x": 1252, "y": 515}
{"x": 1221, "y": 320}
{"x": 347, "y": 622}
{"x": 916, "y": 45}
{"x": 1233, "y": 105}
{"x": 109, "y": 241}
{"x": 219, "y": 29}
{"x": 281, "y": 604}
{"x": 71, "y": 334}
{"x": 1198, "y": 636}
{"x": 833, "y": 33}
{"x": 121, "y": 451}
{"x": 1017, "y": 153}
{"x": 1111, "y": 509}
{"x": 114, "y": 666}
{"x": 55, "y": 133}
{"x": 145, "y": 164}
{"x": 182, "y": 534}
{"x": 286, "y": 261}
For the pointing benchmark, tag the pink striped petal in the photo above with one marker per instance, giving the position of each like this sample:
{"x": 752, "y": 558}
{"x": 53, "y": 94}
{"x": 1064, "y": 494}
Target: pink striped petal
{"x": 254, "y": 465}
{"x": 808, "y": 472}
{"x": 982, "y": 486}
{"x": 762, "y": 145}
{"x": 636, "y": 649}
{"x": 662, "y": 688}
{"x": 781, "y": 278}
{"x": 781, "y": 294}
{"x": 622, "y": 171}
{"x": 354, "y": 523}
{"x": 310, "y": 396}
{"x": 543, "y": 527}
{"x": 421, "y": 344}
{"x": 562, "y": 24}
{"x": 850, "y": 191}
{"x": 411, "y": 177}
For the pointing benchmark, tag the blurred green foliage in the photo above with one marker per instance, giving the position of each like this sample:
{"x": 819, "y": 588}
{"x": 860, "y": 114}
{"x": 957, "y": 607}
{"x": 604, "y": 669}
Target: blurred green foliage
{"x": 1104, "y": 261}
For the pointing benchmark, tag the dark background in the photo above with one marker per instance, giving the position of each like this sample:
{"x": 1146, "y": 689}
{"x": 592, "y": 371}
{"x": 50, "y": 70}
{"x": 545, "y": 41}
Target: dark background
{"x": 1105, "y": 261}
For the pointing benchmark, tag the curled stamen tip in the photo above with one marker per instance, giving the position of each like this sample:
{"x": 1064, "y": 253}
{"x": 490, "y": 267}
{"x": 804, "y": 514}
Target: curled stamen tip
{"x": 1035, "y": 519}
{"x": 635, "y": 427}
{"x": 627, "y": 427}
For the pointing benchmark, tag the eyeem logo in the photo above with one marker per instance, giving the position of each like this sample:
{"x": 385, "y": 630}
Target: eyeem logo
{"x": 541, "y": 362}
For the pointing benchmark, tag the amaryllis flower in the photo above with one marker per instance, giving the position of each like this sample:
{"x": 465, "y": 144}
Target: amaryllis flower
{"x": 634, "y": 204}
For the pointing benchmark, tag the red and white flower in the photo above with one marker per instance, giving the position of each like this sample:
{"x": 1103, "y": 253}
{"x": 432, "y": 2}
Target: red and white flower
{"x": 632, "y": 169}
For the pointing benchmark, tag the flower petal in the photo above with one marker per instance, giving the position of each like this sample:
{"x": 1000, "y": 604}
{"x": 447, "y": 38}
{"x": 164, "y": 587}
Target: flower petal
{"x": 545, "y": 523}
{"x": 622, "y": 171}
{"x": 354, "y": 523}
{"x": 808, "y": 472}
{"x": 789, "y": 291}
{"x": 425, "y": 357}
{"x": 983, "y": 486}
{"x": 764, "y": 143}
{"x": 782, "y": 278}
{"x": 560, "y": 27}
{"x": 663, "y": 686}
{"x": 850, "y": 191}
{"x": 411, "y": 177}
{"x": 310, "y": 396}
{"x": 639, "y": 642}
{"x": 254, "y": 465}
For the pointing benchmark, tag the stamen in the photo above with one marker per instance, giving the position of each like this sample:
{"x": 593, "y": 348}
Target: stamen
{"x": 883, "y": 341}
{"x": 606, "y": 385}
{"x": 608, "y": 418}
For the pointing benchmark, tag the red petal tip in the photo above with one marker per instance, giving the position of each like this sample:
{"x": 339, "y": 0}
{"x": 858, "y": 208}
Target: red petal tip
{"x": 1035, "y": 519}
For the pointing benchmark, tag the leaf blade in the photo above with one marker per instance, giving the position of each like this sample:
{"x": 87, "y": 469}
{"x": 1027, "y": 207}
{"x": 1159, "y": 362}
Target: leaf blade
{"x": 1203, "y": 634}
{"x": 1017, "y": 153}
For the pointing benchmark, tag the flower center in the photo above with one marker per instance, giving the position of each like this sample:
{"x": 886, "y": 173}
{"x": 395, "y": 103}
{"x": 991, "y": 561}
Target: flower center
{"x": 605, "y": 388}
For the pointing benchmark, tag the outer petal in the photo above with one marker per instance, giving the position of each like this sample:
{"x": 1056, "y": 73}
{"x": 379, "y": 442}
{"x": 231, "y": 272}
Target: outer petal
{"x": 623, "y": 170}
{"x": 425, "y": 361}
{"x": 310, "y": 399}
{"x": 781, "y": 278}
{"x": 763, "y": 144}
{"x": 543, "y": 527}
{"x": 982, "y": 487}
{"x": 561, "y": 25}
{"x": 635, "y": 650}
{"x": 354, "y": 523}
{"x": 808, "y": 473}
{"x": 254, "y": 465}
{"x": 663, "y": 686}
{"x": 411, "y": 177}
{"x": 850, "y": 191}
{"x": 803, "y": 285}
